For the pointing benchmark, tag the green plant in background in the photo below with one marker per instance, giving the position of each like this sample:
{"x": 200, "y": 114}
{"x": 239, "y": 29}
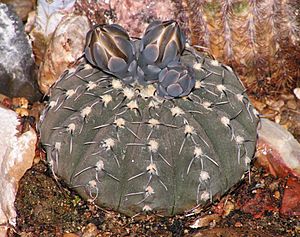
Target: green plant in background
{"x": 150, "y": 124}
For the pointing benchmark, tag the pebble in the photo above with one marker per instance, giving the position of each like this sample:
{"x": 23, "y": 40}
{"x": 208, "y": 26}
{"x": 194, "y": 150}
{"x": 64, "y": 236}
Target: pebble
{"x": 207, "y": 220}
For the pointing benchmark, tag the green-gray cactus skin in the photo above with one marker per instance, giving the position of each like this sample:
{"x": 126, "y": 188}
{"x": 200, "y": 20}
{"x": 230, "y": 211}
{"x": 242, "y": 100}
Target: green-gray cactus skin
{"x": 131, "y": 151}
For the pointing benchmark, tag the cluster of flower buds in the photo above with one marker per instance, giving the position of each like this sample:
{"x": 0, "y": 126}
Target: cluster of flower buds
{"x": 153, "y": 59}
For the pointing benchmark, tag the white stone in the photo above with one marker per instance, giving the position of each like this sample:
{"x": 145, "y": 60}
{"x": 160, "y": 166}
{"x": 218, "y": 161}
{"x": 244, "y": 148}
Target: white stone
{"x": 16, "y": 156}
{"x": 297, "y": 93}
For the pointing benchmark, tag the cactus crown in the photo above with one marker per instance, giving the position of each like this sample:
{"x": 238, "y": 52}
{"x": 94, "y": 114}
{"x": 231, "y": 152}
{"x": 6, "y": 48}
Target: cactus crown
{"x": 153, "y": 59}
{"x": 153, "y": 125}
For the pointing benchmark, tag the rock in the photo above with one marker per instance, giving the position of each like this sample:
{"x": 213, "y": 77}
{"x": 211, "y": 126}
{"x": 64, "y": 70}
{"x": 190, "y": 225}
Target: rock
{"x": 17, "y": 68}
{"x": 291, "y": 199}
{"x": 16, "y": 156}
{"x": 277, "y": 149}
{"x": 48, "y": 16}
{"x": 22, "y": 7}
{"x": 66, "y": 45}
{"x": 90, "y": 230}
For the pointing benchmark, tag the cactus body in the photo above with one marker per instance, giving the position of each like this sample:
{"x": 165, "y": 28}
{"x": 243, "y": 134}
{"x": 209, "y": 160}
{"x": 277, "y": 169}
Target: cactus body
{"x": 130, "y": 149}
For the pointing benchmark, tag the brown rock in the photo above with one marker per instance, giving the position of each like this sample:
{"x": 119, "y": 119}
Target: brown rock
{"x": 65, "y": 47}
{"x": 291, "y": 198}
{"x": 90, "y": 230}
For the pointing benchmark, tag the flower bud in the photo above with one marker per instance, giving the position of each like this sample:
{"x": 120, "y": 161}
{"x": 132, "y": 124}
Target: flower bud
{"x": 162, "y": 43}
{"x": 176, "y": 80}
{"x": 109, "y": 48}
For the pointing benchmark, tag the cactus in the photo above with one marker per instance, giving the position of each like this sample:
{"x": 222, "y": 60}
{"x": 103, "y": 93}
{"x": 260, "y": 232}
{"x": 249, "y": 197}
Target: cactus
{"x": 260, "y": 39}
{"x": 167, "y": 140}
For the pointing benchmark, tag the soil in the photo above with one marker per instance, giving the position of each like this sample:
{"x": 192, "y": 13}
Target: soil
{"x": 46, "y": 207}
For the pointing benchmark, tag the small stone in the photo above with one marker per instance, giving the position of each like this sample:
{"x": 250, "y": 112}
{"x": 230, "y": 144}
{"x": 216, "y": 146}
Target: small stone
{"x": 228, "y": 208}
{"x": 208, "y": 220}
{"x": 277, "y": 195}
{"x": 292, "y": 104}
{"x": 277, "y": 118}
{"x": 238, "y": 224}
{"x": 90, "y": 230}
{"x": 297, "y": 93}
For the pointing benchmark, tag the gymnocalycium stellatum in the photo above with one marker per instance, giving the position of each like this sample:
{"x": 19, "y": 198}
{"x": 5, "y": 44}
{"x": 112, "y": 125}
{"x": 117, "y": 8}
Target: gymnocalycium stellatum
{"x": 148, "y": 124}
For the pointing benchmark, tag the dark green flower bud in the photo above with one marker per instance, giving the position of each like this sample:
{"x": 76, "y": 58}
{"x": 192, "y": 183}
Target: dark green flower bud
{"x": 109, "y": 48}
{"x": 176, "y": 80}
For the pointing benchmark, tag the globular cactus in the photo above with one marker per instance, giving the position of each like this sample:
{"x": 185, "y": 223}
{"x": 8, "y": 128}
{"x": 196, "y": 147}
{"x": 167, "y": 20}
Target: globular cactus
{"x": 165, "y": 146}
